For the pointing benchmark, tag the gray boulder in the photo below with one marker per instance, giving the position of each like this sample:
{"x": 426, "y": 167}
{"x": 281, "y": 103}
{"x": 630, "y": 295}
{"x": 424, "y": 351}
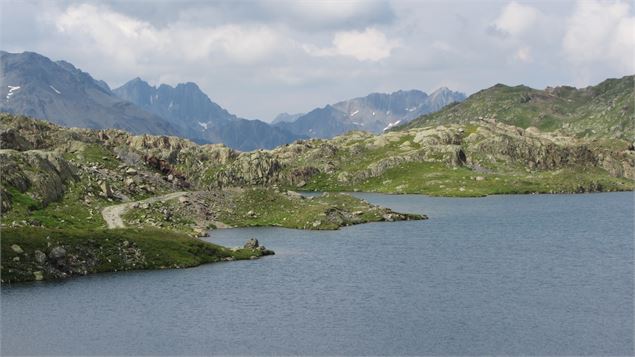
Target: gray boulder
{"x": 40, "y": 257}
{"x": 57, "y": 253}
{"x": 251, "y": 244}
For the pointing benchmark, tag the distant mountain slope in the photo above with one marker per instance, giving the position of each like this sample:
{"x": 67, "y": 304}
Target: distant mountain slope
{"x": 60, "y": 93}
{"x": 606, "y": 109}
{"x": 189, "y": 108}
{"x": 286, "y": 117}
{"x": 374, "y": 113}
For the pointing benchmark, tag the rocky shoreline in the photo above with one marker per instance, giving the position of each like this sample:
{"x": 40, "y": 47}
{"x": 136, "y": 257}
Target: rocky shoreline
{"x": 63, "y": 188}
{"x": 34, "y": 254}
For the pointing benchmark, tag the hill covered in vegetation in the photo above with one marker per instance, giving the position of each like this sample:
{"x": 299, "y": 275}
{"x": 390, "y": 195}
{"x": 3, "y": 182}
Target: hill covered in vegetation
{"x": 603, "y": 110}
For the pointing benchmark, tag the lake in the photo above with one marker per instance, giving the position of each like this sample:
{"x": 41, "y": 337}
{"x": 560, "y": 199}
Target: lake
{"x": 531, "y": 275}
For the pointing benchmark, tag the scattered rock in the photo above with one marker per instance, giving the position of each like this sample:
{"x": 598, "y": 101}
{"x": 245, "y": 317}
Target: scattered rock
{"x": 251, "y": 244}
{"x": 200, "y": 232}
{"x": 38, "y": 275}
{"x": 57, "y": 253}
{"x": 294, "y": 194}
{"x": 129, "y": 182}
{"x": 106, "y": 191}
{"x": 16, "y": 248}
{"x": 267, "y": 251}
{"x": 131, "y": 172}
{"x": 40, "y": 257}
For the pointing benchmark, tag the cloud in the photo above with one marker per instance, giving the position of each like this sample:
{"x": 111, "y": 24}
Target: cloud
{"x": 523, "y": 54}
{"x": 600, "y": 32}
{"x": 261, "y": 57}
{"x": 329, "y": 14}
{"x": 129, "y": 40}
{"x": 522, "y": 30}
{"x": 516, "y": 19}
{"x": 368, "y": 45}
{"x": 309, "y": 16}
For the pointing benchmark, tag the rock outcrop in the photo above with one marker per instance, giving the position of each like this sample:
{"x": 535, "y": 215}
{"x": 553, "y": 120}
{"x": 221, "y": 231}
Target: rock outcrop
{"x": 42, "y": 158}
{"x": 43, "y": 173}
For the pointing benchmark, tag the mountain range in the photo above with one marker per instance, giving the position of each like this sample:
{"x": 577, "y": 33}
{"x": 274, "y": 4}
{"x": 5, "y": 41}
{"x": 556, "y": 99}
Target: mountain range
{"x": 374, "y": 113}
{"x": 59, "y": 92}
{"x": 189, "y": 108}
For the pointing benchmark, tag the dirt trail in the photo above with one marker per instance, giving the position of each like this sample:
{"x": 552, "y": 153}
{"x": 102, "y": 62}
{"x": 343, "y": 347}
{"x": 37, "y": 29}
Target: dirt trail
{"x": 112, "y": 214}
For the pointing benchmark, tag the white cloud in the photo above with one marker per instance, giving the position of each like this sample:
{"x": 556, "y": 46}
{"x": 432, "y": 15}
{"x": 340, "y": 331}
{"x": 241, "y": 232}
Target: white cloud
{"x": 600, "y": 32}
{"x": 516, "y": 19}
{"x": 252, "y": 51}
{"x": 368, "y": 45}
{"x": 518, "y": 26}
{"x": 523, "y": 54}
{"x": 129, "y": 40}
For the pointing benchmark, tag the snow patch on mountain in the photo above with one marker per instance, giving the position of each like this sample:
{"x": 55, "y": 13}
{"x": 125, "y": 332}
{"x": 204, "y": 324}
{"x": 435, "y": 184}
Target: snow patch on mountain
{"x": 393, "y": 124}
{"x": 12, "y": 89}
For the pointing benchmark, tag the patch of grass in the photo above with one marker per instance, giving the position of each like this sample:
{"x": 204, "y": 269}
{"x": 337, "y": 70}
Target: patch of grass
{"x": 271, "y": 208}
{"x": 93, "y": 153}
{"x": 71, "y": 210}
{"x": 440, "y": 180}
{"x": 23, "y": 200}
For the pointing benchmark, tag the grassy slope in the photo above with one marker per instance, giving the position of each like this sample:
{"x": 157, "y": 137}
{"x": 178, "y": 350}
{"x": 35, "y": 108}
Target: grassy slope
{"x": 160, "y": 249}
{"x": 294, "y": 212}
{"x": 606, "y": 109}
{"x": 439, "y": 180}
{"x": 69, "y": 211}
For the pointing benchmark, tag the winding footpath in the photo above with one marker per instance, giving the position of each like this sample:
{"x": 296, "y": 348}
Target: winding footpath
{"x": 112, "y": 214}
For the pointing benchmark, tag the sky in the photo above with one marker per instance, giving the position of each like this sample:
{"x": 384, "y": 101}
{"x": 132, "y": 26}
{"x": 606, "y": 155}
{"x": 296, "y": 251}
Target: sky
{"x": 261, "y": 58}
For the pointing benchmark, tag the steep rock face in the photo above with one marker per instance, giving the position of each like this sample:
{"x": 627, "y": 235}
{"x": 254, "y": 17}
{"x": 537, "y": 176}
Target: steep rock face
{"x": 44, "y": 173}
{"x": 202, "y": 120}
{"x": 515, "y": 145}
{"x": 58, "y": 92}
{"x": 620, "y": 164}
{"x": 254, "y": 168}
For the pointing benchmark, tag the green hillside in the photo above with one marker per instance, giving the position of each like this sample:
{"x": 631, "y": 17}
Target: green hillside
{"x": 604, "y": 110}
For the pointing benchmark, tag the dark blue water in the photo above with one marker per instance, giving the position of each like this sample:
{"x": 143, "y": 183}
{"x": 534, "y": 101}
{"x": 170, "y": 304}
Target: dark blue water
{"x": 530, "y": 275}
